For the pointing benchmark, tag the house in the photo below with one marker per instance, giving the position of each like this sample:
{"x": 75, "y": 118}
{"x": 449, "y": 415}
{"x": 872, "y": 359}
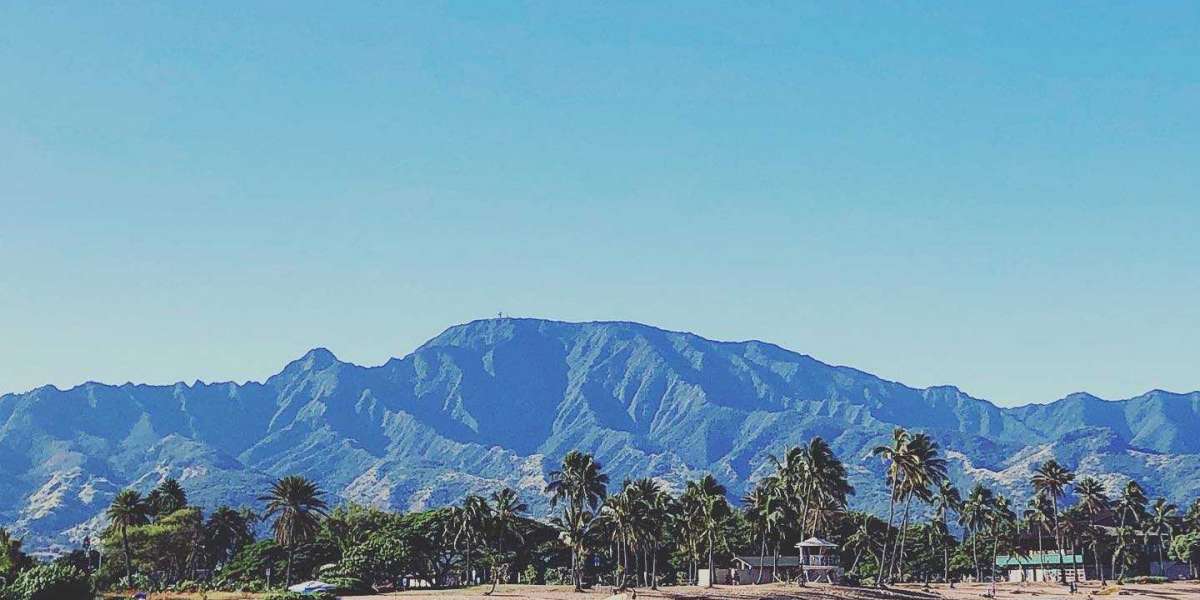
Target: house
{"x": 747, "y": 569}
{"x": 1043, "y": 566}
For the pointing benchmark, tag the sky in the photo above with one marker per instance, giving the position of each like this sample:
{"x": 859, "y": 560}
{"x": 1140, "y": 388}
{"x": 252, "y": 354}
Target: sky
{"x": 1000, "y": 196}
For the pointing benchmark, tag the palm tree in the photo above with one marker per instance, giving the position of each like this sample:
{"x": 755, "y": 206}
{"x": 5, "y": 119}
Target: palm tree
{"x": 764, "y": 514}
{"x": 1051, "y": 479}
{"x": 167, "y": 498}
{"x": 1125, "y": 550}
{"x": 618, "y": 519}
{"x": 1000, "y": 520}
{"x": 227, "y": 531}
{"x": 297, "y": 505}
{"x": 579, "y": 485}
{"x": 652, "y": 504}
{"x": 504, "y": 516}
{"x": 946, "y": 500}
{"x": 896, "y": 455}
{"x": 714, "y": 509}
{"x": 1131, "y": 506}
{"x": 1037, "y": 515}
{"x": 465, "y": 525}
{"x": 1076, "y": 525}
{"x": 1094, "y": 502}
{"x": 921, "y": 467}
{"x": 128, "y": 509}
{"x": 974, "y": 517}
{"x": 861, "y": 539}
{"x": 1160, "y": 522}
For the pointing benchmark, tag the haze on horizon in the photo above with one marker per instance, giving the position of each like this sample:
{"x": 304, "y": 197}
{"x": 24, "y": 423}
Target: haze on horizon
{"x": 1001, "y": 198}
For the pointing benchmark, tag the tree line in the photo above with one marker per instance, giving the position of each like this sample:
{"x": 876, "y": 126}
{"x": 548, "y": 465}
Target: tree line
{"x": 639, "y": 533}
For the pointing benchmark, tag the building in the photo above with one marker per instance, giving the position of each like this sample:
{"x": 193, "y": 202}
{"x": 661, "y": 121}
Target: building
{"x": 1043, "y": 566}
{"x": 747, "y": 569}
{"x": 819, "y": 561}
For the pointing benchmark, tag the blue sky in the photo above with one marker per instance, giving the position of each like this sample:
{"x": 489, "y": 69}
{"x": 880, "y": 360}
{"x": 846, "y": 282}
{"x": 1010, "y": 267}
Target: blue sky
{"x": 1000, "y": 197}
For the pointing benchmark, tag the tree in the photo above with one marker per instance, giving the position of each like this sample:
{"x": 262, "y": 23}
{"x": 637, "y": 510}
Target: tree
{"x": 764, "y": 514}
{"x": 895, "y": 455}
{"x": 1037, "y": 516}
{"x": 946, "y": 500}
{"x": 1051, "y": 480}
{"x": 653, "y": 506}
{"x": 297, "y": 505}
{"x": 714, "y": 509}
{"x": 227, "y": 531}
{"x": 466, "y": 525}
{"x": 128, "y": 509}
{"x": 1185, "y": 548}
{"x": 579, "y": 485}
{"x": 1131, "y": 507}
{"x": 974, "y": 518}
{"x": 1160, "y": 523}
{"x": 1000, "y": 520}
{"x": 504, "y": 515}
{"x": 167, "y": 498}
{"x": 921, "y": 468}
{"x": 1094, "y": 502}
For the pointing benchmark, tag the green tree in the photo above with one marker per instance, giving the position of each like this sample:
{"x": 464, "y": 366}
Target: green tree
{"x": 764, "y": 513}
{"x": 166, "y": 498}
{"x": 1160, "y": 524}
{"x": 1185, "y": 548}
{"x": 128, "y": 509}
{"x": 1094, "y": 502}
{"x": 226, "y": 531}
{"x": 895, "y": 456}
{"x": 1131, "y": 507}
{"x": 714, "y": 510}
{"x": 946, "y": 500}
{"x": 297, "y": 505}
{"x": 504, "y": 518}
{"x": 579, "y": 486}
{"x": 1051, "y": 480}
{"x": 921, "y": 468}
{"x": 12, "y": 559}
{"x": 974, "y": 519}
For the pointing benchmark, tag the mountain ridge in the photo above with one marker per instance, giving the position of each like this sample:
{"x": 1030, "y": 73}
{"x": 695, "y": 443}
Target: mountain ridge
{"x": 453, "y": 417}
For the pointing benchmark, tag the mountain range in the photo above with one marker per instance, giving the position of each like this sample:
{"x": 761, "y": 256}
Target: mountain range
{"x": 498, "y": 402}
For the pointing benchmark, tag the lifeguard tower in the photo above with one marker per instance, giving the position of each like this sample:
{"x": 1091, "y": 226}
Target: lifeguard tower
{"x": 819, "y": 561}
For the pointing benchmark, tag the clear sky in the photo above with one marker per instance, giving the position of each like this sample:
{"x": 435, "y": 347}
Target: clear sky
{"x": 1000, "y": 196}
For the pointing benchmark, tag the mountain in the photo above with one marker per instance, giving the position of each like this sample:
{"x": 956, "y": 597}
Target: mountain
{"x": 499, "y": 402}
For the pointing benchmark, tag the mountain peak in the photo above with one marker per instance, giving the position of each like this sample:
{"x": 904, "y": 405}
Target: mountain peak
{"x": 315, "y": 360}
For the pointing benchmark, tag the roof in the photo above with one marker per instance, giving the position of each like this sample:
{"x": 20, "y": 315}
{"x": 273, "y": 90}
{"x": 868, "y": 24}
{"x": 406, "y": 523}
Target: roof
{"x": 1039, "y": 559}
{"x": 755, "y": 561}
{"x": 816, "y": 542}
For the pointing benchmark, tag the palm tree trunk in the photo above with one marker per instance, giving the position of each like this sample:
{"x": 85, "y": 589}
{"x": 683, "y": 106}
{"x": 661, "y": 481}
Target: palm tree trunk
{"x": 287, "y": 578}
{"x": 654, "y": 568}
{"x": 775, "y": 563}
{"x": 898, "y": 552}
{"x": 128, "y": 556}
{"x": 975, "y": 555}
{"x": 887, "y": 536}
{"x": 762, "y": 558}
{"x": 710, "y": 559}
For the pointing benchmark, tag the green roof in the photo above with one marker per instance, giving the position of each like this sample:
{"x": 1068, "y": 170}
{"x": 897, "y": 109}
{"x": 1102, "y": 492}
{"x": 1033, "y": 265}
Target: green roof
{"x": 1034, "y": 560}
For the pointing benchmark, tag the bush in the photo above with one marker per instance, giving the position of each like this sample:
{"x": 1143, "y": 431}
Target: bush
{"x": 51, "y": 582}
{"x": 350, "y": 586}
{"x": 1146, "y": 579}
{"x": 298, "y": 596}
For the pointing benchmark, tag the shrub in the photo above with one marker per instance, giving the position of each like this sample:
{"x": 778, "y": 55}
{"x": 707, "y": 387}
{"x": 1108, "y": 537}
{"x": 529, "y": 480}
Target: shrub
{"x": 52, "y": 582}
{"x": 350, "y": 586}
{"x": 298, "y": 596}
{"x": 1146, "y": 579}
